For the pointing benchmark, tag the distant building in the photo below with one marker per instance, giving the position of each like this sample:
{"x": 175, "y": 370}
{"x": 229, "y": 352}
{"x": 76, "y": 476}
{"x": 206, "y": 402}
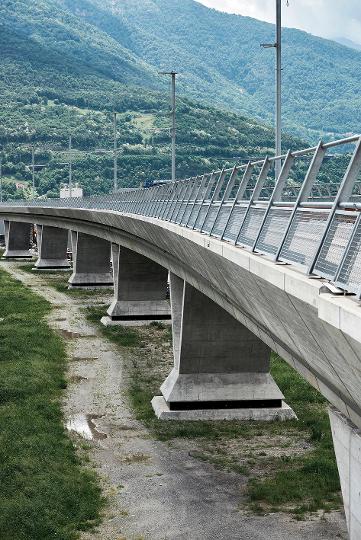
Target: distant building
{"x": 76, "y": 191}
{"x": 21, "y": 185}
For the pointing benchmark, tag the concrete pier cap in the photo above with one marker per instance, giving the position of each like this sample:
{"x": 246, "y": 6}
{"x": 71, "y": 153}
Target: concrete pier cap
{"x": 221, "y": 369}
{"x": 91, "y": 262}
{"x": 17, "y": 240}
{"x": 52, "y": 248}
{"x": 140, "y": 290}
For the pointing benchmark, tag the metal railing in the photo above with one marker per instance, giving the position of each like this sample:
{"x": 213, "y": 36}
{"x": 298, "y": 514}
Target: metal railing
{"x": 301, "y": 221}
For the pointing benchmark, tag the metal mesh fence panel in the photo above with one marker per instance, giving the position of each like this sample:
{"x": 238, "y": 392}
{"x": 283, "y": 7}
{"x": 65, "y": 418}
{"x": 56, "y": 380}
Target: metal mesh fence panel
{"x": 221, "y": 220}
{"x": 201, "y": 216}
{"x": 349, "y": 277}
{"x": 303, "y": 237}
{"x": 273, "y": 230}
{"x": 251, "y": 226}
{"x": 212, "y": 214}
{"x": 234, "y": 223}
{"x": 334, "y": 245}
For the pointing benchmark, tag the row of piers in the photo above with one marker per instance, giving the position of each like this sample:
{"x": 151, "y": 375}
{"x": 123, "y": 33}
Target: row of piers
{"x": 221, "y": 369}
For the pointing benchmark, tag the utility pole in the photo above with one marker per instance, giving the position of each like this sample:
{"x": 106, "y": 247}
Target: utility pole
{"x": 278, "y": 115}
{"x": 70, "y": 167}
{"x": 1, "y": 179}
{"x": 173, "y": 75}
{"x": 115, "y": 186}
{"x": 33, "y": 169}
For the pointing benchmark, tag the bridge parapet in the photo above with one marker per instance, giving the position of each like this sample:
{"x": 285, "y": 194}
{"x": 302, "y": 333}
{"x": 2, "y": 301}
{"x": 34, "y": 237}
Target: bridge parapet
{"x": 304, "y": 222}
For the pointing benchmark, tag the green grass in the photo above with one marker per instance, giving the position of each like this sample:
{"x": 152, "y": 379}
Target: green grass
{"x": 46, "y": 491}
{"x": 301, "y": 483}
{"x": 59, "y": 281}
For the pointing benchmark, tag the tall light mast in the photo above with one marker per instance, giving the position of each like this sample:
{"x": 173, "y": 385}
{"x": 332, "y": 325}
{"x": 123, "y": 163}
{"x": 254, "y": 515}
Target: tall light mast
{"x": 115, "y": 186}
{"x": 70, "y": 167}
{"x": 173, "y": 75}
{"x": 33, "y": 169}
{"x": 278, "y": 115}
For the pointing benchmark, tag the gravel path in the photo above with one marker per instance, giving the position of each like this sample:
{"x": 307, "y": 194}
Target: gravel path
{"x": 156, "y": 490}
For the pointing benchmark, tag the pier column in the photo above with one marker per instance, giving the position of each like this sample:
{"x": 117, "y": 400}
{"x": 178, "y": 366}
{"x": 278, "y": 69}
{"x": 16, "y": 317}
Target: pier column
{"x": 221, "y": 370}
{"x": 17, "y": 240}
{"x": 52, "y": 248}
{"x": 91, "y": 261}
{"x": 347, "y": 443}
{"x": 140, "y": 289}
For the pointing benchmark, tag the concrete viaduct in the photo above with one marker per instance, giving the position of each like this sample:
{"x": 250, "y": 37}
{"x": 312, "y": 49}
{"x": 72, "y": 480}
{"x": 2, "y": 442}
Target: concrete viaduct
{"x": 253, "y": 266}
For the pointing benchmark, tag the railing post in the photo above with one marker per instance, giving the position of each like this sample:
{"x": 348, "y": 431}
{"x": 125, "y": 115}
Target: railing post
{"x": 240, "y": 192}
{"x": 206, "y": 193}
{"x": 305, "y": 190}
{"x": 226, "y": 193}
{"x": 277, "y": 191}
{"x": 191, "y": 192}
{"x": 201, "y": 186}
{"x": 215, "y": 194}
{"x": 344, "y": 192}
{"x": 256, "y": 192}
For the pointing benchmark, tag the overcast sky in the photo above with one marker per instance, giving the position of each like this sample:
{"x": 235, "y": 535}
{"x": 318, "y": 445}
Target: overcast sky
{"x": 327, "y": 18}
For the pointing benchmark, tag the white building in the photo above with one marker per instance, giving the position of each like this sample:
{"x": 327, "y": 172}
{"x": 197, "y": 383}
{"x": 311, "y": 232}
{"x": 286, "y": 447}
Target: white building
{"x": 76, "y": 191}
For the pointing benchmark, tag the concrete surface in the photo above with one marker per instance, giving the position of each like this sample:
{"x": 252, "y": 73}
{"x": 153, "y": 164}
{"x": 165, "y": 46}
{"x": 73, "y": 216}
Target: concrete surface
{"x": 52, "y": 248}
{"x": 140, "y": 288}
{"x": 17, "y": 240}
{"x": 347, "y": 444}
{"x": 218, "y": 364}
{"x": 91, "y": 261}
{"x": 169, "y": 494}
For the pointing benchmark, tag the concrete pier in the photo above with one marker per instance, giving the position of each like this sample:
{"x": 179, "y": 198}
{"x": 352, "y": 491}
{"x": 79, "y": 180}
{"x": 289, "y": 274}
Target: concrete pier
{"x": 140, "y": 289}
{"x": 347, "y": 444}
{"x": 91, "y": 261}
{"x": 221, "y": 369}
{"x": 52, "y": 248}
{"x": 17, "y": 240}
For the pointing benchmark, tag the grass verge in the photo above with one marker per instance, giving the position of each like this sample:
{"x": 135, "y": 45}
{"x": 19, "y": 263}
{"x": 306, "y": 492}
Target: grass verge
{"x": 46, "y": 491}
{"x": 290, "y": 465}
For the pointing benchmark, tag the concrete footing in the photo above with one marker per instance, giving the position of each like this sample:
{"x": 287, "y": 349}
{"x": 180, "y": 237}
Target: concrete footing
{"x": 347, "y": 443}
{"x": 52, "y": 248}
{"x": 163, "y": 412}
{"x": 91, "y": 262}
{"x": 221, "y": 370}
{"x": 17, "y": 240}
{"x": 140, "y": 289}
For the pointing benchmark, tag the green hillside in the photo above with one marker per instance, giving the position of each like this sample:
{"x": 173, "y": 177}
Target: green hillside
{"x": 54, "y": 83}
{"x": 221, "y": 61}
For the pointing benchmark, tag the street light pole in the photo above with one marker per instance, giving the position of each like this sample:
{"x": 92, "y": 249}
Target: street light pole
{"x": 115, "y": 187}
{"x": 173, "y": 75}
{"x": 1, "y": 179}
{"x": 278, "y": 85}
{"x": 278, "y": 109}
{"x": 70, "y": 167}
{"x": 33, "y": 169}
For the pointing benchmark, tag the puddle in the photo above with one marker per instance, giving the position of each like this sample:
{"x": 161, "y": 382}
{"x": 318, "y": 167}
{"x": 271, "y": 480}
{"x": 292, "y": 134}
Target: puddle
{"x": 83, "y": 425}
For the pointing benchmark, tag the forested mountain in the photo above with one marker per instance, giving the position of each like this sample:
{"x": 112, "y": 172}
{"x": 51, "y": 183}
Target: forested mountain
{"x": 220, "y": 60}
{"x": 65, "y": 65}
{"x": 59, "y": 77}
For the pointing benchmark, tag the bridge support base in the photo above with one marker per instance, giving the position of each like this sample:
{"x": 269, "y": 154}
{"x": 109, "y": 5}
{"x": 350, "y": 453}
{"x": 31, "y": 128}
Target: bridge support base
{"x": 52, "y": 248}
{"x": 347, "y": 443}
{"x": 221, "y": 370}
{"x": 17, "y": 240}
{"x": 91, "y": 262}
{"x": 140, "y": 289}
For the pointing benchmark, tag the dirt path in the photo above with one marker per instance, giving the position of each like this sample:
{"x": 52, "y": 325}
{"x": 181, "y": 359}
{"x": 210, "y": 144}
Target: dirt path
{"x": 156, "y": 491}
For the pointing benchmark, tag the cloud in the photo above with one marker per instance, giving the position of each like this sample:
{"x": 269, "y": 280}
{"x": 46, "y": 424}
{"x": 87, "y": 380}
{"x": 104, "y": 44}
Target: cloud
{"x": 327, "y": 18}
